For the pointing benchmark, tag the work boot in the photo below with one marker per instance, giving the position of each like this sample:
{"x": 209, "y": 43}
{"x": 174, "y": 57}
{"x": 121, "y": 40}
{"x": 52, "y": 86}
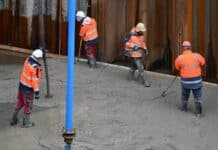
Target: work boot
{"x": 26, "y": 121}
{"x": 198, "y": 109}
{"x": 184, "y": 106}
{"x": 146, "y": 83}
{"x": 14, "y": 119}
{"x": 131, "y": 75}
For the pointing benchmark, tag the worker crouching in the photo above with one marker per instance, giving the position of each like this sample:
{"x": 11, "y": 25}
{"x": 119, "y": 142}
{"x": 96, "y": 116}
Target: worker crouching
{"x": 136, "y": 49}
{"x": 189, "y": 64}
{"x": 28, "y": 88}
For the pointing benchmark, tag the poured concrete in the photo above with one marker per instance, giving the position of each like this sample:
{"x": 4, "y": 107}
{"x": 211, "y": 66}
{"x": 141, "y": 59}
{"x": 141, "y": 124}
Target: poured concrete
{"x": 111, "y": 113}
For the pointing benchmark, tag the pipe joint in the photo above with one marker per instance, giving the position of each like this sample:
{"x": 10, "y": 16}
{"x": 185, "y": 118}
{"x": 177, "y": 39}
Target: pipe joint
{"x": 68, "y": 136}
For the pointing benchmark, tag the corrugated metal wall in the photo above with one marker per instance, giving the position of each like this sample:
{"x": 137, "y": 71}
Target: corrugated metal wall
{"x": 169, "y": 22}
{"x": 20, "y": 26}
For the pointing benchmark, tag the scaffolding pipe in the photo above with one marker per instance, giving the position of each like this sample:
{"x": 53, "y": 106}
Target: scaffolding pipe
{"x": 69, "y": 131}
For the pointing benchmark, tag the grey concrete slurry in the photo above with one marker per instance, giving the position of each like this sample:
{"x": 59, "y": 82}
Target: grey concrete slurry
{"x": 110, "y": 113}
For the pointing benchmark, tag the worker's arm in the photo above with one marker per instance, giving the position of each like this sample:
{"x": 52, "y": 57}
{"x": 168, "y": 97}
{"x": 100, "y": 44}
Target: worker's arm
{"x": 83, "y": 30}
{"x": 130, "y": 43}
{"x": 201, "y": 59}
{"x": 177, "y": 64}
{"x": 36, "y": 73}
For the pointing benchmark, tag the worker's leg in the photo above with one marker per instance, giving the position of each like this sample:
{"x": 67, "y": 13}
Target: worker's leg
{"x": 140, "y": 67}
{"x": 131, "y": 71}
{"x": 14, "y": 119}
{"x": 198, "y": 100}
{"x": 90, "y": 53}
{"x": 185, "y": 97}
{"x": 18, "y": 107}
{"x": 27, "y": 110}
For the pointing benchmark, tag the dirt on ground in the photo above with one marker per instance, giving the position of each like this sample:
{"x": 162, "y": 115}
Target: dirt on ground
{"x": 110, "y": 112}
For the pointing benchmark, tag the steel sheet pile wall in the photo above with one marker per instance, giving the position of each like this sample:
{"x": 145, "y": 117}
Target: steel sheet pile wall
{"x": 20, "y": 25}
{"x": 168, "y": 23}
{"x": 115, "y": 19}
{"x": 195, "y": 20}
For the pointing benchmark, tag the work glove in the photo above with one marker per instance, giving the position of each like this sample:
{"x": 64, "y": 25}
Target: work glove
{"x": 135, "y": 48}
{"x": 37, "y": 94}
{"x": 146, "y": 52}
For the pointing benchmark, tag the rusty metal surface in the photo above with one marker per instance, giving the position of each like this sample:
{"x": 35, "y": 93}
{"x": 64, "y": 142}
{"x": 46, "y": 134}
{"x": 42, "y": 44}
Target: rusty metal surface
{"x": 168, "y": 23}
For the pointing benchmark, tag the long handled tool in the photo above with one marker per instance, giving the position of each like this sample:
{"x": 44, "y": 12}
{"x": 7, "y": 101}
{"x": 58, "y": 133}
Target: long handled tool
{"x": 80, "y": 47}
{"x": 42, "y": 46}
{"x": 164, "y": 93}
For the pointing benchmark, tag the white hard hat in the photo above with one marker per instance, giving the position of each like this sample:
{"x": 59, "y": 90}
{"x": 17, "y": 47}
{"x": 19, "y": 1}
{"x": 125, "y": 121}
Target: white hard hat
{"x": 80, "y": 14}
{"x": 140, "y": 27}
{"x": 37, "y": 53}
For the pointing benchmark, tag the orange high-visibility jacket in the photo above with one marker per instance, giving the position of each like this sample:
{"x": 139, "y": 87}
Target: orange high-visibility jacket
{"x": 138, "y": 41}
{"x": 88, "y": 30}
{"x": 189, "y": 64}
{"x": 31, "y": 73}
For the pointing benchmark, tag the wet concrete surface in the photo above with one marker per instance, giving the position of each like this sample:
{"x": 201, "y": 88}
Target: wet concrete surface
{"x": 7, "y": 58}
{"x": 111, "y": 113}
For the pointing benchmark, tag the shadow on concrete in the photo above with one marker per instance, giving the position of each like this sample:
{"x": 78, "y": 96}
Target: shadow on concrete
{"x": 6, "y": 110}
{"x": 7, "y": 57}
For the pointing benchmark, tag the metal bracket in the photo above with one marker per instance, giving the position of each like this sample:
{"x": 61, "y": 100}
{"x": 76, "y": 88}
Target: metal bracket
{"x": 68, "y": 136}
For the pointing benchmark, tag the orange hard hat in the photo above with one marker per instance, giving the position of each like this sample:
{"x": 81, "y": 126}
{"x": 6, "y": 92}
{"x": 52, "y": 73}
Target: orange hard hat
{"x": 186, "y": 43}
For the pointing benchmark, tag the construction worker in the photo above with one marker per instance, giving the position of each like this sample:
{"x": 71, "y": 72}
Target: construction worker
{"x": 28, "y": 88}
{"x": 189, "y": 65}
{"x": 88, "y": 32}
{"x": 135, "y": 48}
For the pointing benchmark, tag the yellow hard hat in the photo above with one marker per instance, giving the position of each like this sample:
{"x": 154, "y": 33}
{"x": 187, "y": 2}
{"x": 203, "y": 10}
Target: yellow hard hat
{"x": 140, "y": 27}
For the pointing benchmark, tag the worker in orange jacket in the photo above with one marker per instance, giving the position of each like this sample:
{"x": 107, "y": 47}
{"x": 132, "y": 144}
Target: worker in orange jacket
{"x": 189, "y": 64}
{"x": 28, "y": 88}
{"x": 89, "y": 34}
{"x": 136, "y": 48}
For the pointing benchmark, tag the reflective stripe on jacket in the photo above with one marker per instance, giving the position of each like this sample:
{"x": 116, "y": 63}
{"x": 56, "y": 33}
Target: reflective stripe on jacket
{"x": 191, "y": 83}
{"x": 135, "y": 40}
{"x": 88, "y": 29}
{"x": 31, "y": 73}
{"x": 189, "y": 64}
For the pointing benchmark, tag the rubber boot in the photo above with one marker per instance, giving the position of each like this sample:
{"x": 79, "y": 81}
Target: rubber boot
{"x": 92, "y": 63}
{"x": 26, "y": 121}
{"x": 145, "y": 82}
{"x": 14, "y": 119}
{"x": 184, "y": 106}
{"x": 198, "y": 109}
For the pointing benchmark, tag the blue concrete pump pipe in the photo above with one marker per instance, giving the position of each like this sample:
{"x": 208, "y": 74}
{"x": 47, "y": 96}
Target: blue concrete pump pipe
{"x": 70, "y": 69}
{"x": 70, "y": 66}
